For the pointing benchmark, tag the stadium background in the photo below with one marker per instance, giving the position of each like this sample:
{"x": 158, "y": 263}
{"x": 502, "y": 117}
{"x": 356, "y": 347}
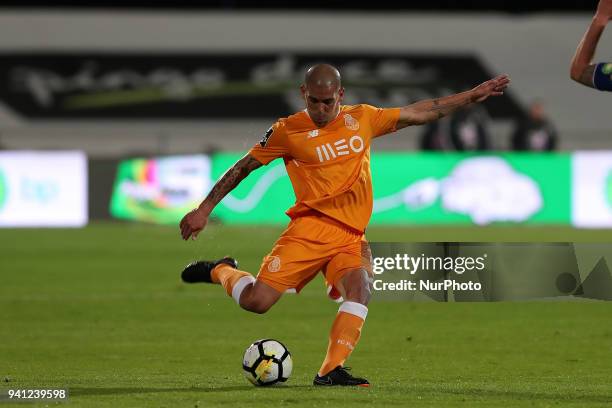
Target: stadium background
{"x": 98, "y": 307}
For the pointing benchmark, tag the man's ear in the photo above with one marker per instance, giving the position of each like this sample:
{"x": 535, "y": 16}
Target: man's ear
{"x": 341, "y": 94}
{"x": 303, "y": 90}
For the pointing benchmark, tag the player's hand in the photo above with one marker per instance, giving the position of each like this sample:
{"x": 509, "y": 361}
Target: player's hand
{"x": 192, "y": 223}
{"x": 492, "y": 87}
{"x": 604, "y": 10}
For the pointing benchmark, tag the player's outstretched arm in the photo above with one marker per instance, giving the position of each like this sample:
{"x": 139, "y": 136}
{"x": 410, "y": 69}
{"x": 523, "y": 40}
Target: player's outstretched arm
{"x": 582, "y": 69}
{"x": 195, "y": 220}
{"x": 432, "y": 109}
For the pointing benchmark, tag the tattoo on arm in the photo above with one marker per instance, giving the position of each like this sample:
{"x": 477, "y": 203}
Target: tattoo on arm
{"x": 442, "y": 107}
{"x": 429, "y": 110}
{"x": 436, "y": 104}
{"x": 230, "y": 180}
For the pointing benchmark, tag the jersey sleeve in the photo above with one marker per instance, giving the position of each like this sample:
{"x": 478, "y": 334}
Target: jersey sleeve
{"x": 602, "y": 76}
{"x": 272, "y": 145}
{"x": 382, "y": 120}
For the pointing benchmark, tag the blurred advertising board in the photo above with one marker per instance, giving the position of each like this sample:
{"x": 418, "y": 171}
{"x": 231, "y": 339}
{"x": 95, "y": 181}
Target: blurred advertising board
{"x": 160, "y": 190}
{"x": 592, "y": 189}
{"x": 458, "y": 188}
{"x": 409, "y": 188}
{"x": 43, "y": 189}
{"x": 425, "y": 188}
{"x": 76, "y": 85}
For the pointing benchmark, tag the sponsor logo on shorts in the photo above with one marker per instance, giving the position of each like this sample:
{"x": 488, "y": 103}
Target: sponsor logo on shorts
{"x": 274, "y": 264}
{"x": 350, "y": 122}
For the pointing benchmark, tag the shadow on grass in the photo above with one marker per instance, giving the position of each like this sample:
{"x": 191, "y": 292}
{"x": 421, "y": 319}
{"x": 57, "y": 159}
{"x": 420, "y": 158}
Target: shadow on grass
{"x": 76, "y": 392}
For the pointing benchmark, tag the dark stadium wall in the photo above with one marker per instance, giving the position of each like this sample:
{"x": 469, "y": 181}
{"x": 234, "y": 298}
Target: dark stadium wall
{"x": 535, "y": 49}
{"x": 520, "y": 6}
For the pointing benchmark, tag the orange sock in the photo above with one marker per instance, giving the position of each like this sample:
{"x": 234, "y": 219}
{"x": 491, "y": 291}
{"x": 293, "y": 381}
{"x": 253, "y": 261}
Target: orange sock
{"x": 344, "y": 335}
{"x": 233, "y": 280}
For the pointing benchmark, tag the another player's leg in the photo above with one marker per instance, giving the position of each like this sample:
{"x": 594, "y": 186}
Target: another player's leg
{"x": 250, "y": 294}
{"x": 346, "y": 330}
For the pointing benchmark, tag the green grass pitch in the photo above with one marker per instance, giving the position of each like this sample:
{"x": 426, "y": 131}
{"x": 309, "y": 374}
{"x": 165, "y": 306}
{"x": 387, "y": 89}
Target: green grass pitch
{"x": 102, "y": 312}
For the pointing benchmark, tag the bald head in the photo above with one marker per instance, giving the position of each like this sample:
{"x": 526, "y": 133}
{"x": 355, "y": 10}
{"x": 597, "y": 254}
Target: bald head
{"x": 323, "y": 93}
{"x": 322, "y": 76}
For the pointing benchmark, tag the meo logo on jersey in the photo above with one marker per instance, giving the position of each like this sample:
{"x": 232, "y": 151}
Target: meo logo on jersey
{"x": 327, "y": 151}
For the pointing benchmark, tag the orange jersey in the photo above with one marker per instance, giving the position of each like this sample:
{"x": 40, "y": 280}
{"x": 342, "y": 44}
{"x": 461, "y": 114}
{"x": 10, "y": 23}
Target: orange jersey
{"x": 329, "y": 167}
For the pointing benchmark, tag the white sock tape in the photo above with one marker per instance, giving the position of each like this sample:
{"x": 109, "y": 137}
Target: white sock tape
{"x": 354, "y": 308}
{"x": 240, "y": 285}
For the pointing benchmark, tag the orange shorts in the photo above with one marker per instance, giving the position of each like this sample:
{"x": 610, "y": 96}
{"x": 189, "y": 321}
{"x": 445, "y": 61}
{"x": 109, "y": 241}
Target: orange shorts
{"x": 310, "y": 244}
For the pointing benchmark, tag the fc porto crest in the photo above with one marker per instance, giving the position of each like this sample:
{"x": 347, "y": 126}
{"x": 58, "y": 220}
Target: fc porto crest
{"x": 350, "y": 122}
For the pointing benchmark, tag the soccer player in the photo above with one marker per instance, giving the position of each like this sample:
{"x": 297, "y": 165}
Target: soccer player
{"x": 326, "y": 151}
{"x": 583, "y": 70}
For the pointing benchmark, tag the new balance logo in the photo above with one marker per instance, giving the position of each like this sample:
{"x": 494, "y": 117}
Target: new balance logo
{"x": 327, "y": 151}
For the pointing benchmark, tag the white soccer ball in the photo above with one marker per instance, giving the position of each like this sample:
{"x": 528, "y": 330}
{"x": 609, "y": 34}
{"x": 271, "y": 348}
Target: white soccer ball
{"x": 267, "y": 362}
